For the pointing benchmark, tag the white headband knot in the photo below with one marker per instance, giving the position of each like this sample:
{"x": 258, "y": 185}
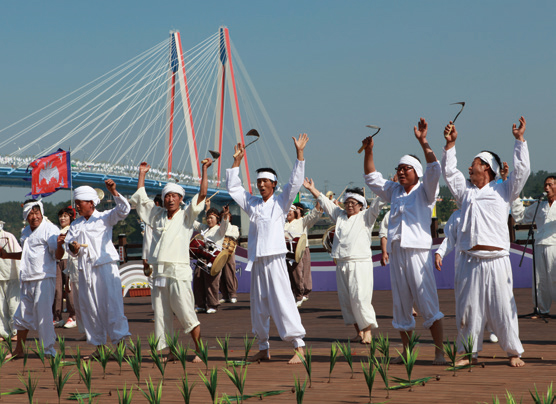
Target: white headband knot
{"x": 172, "y": 188}
{"x": 491, "y": 161}
{"x": 357, "y": 197}
{"x": 29, "y": 206}
{"x": 412, "y": 161}
{"x": 86, "y": 193}
{"x": 266, "y": 174}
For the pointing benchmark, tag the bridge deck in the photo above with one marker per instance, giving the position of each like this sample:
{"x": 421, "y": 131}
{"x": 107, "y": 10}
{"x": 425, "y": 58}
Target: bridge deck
{"x": 322, "y": 319}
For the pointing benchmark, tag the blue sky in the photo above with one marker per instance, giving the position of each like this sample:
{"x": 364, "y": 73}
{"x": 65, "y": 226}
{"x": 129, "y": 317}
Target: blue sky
{"x": 327, "y": 68}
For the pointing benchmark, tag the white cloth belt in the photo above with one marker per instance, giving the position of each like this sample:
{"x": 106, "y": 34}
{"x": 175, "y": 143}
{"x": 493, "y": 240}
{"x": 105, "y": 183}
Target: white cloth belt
{"x": 29, "y": 206}
{"x": 86, "y": 193}
{"x": 412, "y": 161}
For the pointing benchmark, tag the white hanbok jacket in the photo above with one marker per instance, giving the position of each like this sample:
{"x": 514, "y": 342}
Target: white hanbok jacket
{"x": 450, "y": 235}
{"x": 266, "y": 219}
{"x": 484, "y": 211}
{"x": 9, "y": 269}
{"x": 38, "y": 257}
{"x": 300, "y": 226}
{"x": 545, "y": 220}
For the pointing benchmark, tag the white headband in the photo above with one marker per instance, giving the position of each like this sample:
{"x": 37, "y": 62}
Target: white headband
{"x": 267, "y": 175}
{"x": 172, "y": 188}
{"x": 293, "y": 207}
{"x": 357, "y": 197}
{"x": 491, "y": 161}
{"x": 86, "y": 193}
{"x": 412, "y": 161}
{"x": 29, "y": 206}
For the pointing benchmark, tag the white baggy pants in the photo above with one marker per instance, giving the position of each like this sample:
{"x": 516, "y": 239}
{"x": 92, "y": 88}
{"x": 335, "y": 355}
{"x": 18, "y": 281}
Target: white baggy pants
{"x": 102, "y": 306}
{"x": 485, "y": 293}
{"x": 354, "y": 280}
{"x": 545, "y": 261}
{"x": 413, "y": 285}
{"x": 35, "y": 311}
{"x": 9, "y": 301}
{"x": 271, "y": 296}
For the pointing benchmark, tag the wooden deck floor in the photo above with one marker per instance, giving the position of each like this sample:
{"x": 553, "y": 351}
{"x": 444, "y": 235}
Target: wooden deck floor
{"x": 322, "y": 319}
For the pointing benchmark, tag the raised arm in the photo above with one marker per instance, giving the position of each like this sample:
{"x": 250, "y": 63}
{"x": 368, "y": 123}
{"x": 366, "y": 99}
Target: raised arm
{"x": 454, "y": 178}
{"x": 300, "y": 144}
{"x": 522, "y": 166}
{"x": 143, "y": 170}
{"x": 369, "y": 161}
{"x": 421, "y": 134}
{"x": 233, "y": 183}
{"x": 122, "y": 208}
{"x": 204, "y": 180}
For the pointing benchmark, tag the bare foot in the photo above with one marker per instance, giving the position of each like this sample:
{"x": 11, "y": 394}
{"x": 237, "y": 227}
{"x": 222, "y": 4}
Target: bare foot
{"x": 15, "y": 355}
{"x": 169, "y": 358}
{"x": 516, "y": 362}
{"x": 196, "y": 359}
{"x": 296, "y": 360}
{"x": 414, "y": 313}
{"x": 367, "y": 337}
{"x": 263, "y": 355}
{"x": 439, "y": 359}
{"x": 465, "y": 362}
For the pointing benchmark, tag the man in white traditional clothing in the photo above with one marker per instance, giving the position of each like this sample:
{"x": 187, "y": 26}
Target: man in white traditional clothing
{"x": 271, "y": 294}
{"x": 42, "y": 246}
{"x": 172, "y": 229}
{"x": 205, "y": 285}
{"x": 545, "y": 243}
{"x": 9, "y": 284}
{"x": 351, "y": 250}
{"x": 485, "y": 275}
{"x": 228, "y": 280}
{"x": 300, "y": 272}
{"x": 409, "y": 238}
{"x": 89, "y": 239}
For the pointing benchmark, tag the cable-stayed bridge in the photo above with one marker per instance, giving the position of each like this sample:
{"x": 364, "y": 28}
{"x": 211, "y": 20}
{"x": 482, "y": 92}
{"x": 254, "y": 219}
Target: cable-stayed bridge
{"x": 165, "y": 106}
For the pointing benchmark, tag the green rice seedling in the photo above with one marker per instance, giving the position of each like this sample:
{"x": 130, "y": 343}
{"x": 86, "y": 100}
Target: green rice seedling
{"x": 248, "y": 344}
{"x": 225, "y": 399}
{"x": 333, "y": 359}
{"x": 382, "y": 365}
{"x": 60, "y": 381}
{"x": 211, "y": 382}
{"x": 25, "y": 355}
{"x": 135, "y": 363}
{"x": 539, "y": 399}
{"x": 370, "y": 372}
{"x": 153, "y": 344}
{"x": 181, "y": 355}
{"x": 451, "y": 351}
{"x": 225, "y": 346}
{"x": 383, "y": 346}
{"x": 119, "y": 354}
{"x": 237, "y": 378}
{"x": 86, "y": 374}
{"x": 299, "y": 390}
{"x": 153, "y": 394}
{"x": 135, "y": 348}
{"x": 186, "y": 390}
{"x": 510, "y": 399}
{"x": 413, "y": 340}
{"x": 409, "y": 360}
{"x": 62, "y": 346}
{"x": 307, "y": 362}
{"x": 203, "y": 354}
{"x": 159, "y": 362}
{"x": 9, "y": 343}
{"x": 372, "y": 348}
{"x": 54, "y": 362}
{"x": 78, "y": 360}
{"x": 172, "y": 342}
{"x": 346, "y": 352}
{"x": 468, "y": 344}
{"x": 40, "y": 353}
{"x": 125, "y": 397}
{"x": 30, "y": 385}
{"x": 103, "y": 356}
{"x": 3, "y": 355}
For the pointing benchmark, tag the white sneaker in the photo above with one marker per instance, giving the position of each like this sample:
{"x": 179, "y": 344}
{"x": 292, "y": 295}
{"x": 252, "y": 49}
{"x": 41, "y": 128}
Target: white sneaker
{"x": 221, "y": 301}
{"x": 233, "y": 300}
{"x": 493, "y": 338}
{"x": 298, "y": 304}
{"x": 211, "y": 311}
{"x": 71, "y": 323}
{"x": 305, "y": 298}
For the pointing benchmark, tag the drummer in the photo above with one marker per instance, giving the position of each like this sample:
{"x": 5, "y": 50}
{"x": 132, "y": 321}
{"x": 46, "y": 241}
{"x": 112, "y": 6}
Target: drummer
{"x": 228, "y": 280}
{"x": 352, "y": 252}
{"x": 171, "y": 271}
{"x": 205, "y": 285}
{"x": 300, "y": 272}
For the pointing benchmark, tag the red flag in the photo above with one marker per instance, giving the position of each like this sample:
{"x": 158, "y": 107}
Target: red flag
{"x": 51, "y": 173}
